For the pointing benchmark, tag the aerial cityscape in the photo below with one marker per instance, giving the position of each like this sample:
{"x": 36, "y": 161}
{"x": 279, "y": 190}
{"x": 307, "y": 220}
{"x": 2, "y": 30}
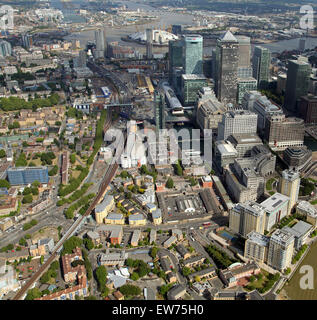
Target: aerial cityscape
{"x": 158, "y": 150}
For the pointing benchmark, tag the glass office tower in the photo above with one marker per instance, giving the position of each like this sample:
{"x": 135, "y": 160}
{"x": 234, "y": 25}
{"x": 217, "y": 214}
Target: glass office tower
{"x": 261, "y": 65}
{"x": 193, "y": 54}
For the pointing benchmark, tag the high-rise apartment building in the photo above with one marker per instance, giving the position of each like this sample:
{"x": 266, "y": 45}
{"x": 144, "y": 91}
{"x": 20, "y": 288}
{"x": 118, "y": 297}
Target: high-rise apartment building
{"x": 100, "y": 38}
{"x": 261, "y": 65}
{"x": 281, "y": 248}
{"x": 289, "y": 185}
{"x": 27, "y": 41}
{"x": 247, "y": 217}
{"x": 240, "y": 121}
{"x": 193, "y": 54}
{"x": 5, "y": 48}
{"x": 276, "y": 208}
{"x": 159, "y": 105}
{"x": 226, "y": 68}
{"x": 256, "y": 247}
{"x": 297, "y": 83}
{"x": 149, "y": 43}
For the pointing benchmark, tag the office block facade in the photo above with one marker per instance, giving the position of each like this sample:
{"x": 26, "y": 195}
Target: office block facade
{"x": 297, "y": 83}
{"x": 281, "y": 132}
{"x": 27, "y": 175}
{"x": 244, "y": 85}
{"x": 235, "y": 122}
{"x": 191, "y": 85}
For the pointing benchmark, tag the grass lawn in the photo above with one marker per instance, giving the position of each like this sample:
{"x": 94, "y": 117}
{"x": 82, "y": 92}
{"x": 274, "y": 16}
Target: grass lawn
{"x": 293, "y": 289}
{"x": 37, "y": 161}
{"x": 75, "y": 173}
{"x": 313, "y": 202}
{"x": 259, "y": 283}
{"x": 269, "y": 184}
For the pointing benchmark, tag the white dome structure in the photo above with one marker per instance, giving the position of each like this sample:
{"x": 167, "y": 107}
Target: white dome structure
{"x": 159, "y": 36}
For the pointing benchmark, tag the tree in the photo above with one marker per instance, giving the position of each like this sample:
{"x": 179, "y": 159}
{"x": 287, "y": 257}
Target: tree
{"x": 124, "y": 174}
{"x": 4, "y": 184}
{"x": 130, "y": 290}
{"x": 134, "y": 276}
{"x": 27, "y": 199}
{"x": 35, "y": 191}
{"x": 22, "y": 242}
{"x": 27, "y": 191}
{"x": 154, "y": 251}
{"x": 70, "y": 244}
{"x": 72, "y": 158}
{"x": 42, "y": 259}
{"x": 186, "y": 271}
{"x": 2, "y": 153}
{"x": 88, "y": 243}
{"x": 33, "y": 294}
{"x": 101, "y": 275}
{"x": 170, "y": 183}
{"x": 36, "y": 184}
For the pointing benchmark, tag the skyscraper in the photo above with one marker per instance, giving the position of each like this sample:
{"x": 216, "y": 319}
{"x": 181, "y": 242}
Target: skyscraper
{"x": 27, "y": 41}
{"x": 159, "y": 111}
{"x": 100, "y": 38}
{"x": 193, "y": 54}
{"x": 175, "y": 59}
{"x": 5, "y": 48}
{"x": 244, "y": 51}
{"x": 289, "y": 186}
{"x": 261, "y": 65}
{"x": 226, "y": 68}
{"x": 297, "y": 83}
{"x": 176, "y": 29}
{"x": 82, "y": 59}
{"x": 149, "y": 43}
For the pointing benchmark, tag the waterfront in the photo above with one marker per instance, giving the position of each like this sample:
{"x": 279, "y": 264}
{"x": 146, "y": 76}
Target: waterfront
{"x": 293, "y": 290}
{"x": 165, "y": 19}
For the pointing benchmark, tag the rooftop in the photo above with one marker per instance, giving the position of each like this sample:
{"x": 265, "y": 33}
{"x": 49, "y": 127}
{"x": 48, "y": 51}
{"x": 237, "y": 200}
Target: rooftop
{"x": 274, "y": 202}
{"x": 258, "y": 238}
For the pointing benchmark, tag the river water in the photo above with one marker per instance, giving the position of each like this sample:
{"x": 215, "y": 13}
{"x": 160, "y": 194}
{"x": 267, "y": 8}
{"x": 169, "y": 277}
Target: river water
{"x": 165, "y": 19}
